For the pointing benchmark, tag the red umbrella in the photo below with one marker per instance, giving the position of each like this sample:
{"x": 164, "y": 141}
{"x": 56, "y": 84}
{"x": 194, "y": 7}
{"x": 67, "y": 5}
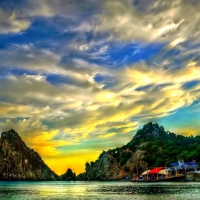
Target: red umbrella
{"x": 155, "y": 170}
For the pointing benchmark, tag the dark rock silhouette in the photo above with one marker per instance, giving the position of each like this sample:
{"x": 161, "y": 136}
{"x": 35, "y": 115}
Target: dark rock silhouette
{"x": 68, "y": 176}
{"x": 18, "y": 162}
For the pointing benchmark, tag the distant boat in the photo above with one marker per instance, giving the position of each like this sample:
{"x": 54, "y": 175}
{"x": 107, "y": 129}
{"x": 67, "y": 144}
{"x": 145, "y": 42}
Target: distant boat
{"x": 169, "y": 179}
{"x": 176, "y": 172}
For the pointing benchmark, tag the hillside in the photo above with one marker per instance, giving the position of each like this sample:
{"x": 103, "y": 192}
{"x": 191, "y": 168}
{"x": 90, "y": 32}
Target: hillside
{"x": 18, "y": 162}
{"x": 151, "y": 146}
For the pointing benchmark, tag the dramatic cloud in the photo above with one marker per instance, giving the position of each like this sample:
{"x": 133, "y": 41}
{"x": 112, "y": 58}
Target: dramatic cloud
{"x": 11, "y": 23}
{"x": 173, "y": 21}
{"x": 83, "y": 76}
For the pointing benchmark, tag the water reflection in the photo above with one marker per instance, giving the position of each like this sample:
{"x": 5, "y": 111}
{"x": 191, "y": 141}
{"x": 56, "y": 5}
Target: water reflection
{"x": 98, "y": 190}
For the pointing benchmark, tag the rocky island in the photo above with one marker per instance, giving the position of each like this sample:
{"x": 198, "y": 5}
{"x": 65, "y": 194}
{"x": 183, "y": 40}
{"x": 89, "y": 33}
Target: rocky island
{"x": 18, "y": 162}
{"x": 151, "y": 146}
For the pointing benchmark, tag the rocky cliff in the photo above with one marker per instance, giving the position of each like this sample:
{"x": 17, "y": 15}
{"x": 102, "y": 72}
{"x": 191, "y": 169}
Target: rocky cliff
{"x": 151, "y": 146}
{"x": 107, "y": 167}
{"x": 18, "y": 162}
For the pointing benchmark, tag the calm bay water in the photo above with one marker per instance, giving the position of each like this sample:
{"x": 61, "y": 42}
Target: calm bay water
{"x": 98, "y": 190}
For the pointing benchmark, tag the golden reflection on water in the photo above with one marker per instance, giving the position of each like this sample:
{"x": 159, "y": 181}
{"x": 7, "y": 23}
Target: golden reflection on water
{"x": 98, "y": 191}
{"x": 62, "y": 189}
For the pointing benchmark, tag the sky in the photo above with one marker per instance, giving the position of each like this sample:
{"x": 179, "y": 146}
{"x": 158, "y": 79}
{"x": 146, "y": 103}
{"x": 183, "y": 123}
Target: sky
{"x": 81, "y": 76}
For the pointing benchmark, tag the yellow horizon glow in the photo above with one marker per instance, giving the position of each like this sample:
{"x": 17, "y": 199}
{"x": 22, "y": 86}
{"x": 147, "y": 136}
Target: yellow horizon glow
{"x": 74, "y": 162}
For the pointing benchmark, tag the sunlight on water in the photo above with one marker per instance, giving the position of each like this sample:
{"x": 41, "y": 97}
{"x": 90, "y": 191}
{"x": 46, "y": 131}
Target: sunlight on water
{"x": 61, "y": 189}
{"x": 98, "y": 190}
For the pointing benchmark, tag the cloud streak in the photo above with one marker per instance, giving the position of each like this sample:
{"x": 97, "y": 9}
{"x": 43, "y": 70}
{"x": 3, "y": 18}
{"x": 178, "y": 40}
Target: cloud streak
{"x": 161, "y": 20}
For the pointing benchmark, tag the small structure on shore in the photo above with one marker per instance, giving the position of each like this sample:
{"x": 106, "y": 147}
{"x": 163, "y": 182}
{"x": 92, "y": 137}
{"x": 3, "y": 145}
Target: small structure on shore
{"x": 176, "y": 171}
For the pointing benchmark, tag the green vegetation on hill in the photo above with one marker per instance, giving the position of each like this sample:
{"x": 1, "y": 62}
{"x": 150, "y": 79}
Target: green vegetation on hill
{"x": 150, "y": 147}
{"x": 162, "y": 147}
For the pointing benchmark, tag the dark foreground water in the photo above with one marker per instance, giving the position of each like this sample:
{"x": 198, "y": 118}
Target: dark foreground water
{"x": 99, "y": 190}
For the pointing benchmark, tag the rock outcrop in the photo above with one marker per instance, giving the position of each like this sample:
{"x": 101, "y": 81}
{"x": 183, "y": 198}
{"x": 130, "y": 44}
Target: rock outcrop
{"x": 105, "y": 168}
{"x": 18, "y": 162}
{"x": 150, "y": 147}
{"x": 68, "y": 176}
{"x": 108, "y": 168}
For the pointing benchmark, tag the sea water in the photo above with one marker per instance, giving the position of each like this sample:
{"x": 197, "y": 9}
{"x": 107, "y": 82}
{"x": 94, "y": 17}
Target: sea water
{"x": 24, "y": 190}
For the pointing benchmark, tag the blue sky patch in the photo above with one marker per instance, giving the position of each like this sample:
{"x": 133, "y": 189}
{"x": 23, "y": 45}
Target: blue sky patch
{"x": 190, "y": 84}
{"x": 118, "y": 55}
{"x": 57, "y": 79}
{"x": 108, "y": 81}
{"x": 12, "y": 4}
{"x": 144, "y": 88}
{"x": 16, "y": 72}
